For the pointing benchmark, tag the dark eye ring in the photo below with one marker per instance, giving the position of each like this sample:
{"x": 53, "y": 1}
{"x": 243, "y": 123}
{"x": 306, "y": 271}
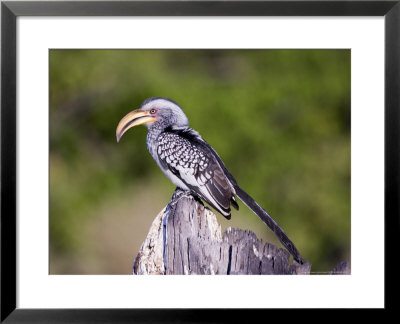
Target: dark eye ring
{"x": 153, "y": 111}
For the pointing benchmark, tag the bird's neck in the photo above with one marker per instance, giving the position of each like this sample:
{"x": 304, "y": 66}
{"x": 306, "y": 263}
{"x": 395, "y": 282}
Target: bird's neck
{"x": 157, "y": 128}
{"x": 154, "y": 132}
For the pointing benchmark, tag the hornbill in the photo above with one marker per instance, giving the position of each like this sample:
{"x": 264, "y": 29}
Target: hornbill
{"x": 191, "y": 163}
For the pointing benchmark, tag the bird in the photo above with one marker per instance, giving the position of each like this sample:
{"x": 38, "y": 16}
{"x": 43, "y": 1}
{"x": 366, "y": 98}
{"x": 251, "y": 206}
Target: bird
{"x": 191, "y": 163}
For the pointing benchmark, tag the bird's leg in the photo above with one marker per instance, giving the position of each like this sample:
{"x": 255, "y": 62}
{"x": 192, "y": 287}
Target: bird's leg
{"x": 179, "y": 193}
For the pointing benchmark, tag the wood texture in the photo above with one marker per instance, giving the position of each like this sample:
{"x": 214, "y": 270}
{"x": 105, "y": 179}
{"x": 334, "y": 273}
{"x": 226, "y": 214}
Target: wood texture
{"x": 185, "y": 238}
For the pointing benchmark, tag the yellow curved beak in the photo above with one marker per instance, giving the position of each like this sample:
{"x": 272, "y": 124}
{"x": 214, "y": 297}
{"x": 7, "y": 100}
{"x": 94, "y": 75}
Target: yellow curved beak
{"x": 134, "y": 118}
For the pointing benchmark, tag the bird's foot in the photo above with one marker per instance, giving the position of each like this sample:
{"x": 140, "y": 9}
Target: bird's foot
{"x": 176, "y": 196}
{"x": 180, "y": 193}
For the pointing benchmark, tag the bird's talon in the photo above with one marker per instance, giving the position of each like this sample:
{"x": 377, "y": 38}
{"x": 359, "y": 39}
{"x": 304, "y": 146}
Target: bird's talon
{"x": 177, "y": 195}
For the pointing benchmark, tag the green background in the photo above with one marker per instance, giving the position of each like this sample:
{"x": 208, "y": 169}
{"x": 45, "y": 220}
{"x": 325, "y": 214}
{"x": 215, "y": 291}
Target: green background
{"x": 279, "y": 119}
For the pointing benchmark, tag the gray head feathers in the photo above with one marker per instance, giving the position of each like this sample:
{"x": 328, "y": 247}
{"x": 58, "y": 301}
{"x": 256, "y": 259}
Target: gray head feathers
{"x": 169, "y": 113}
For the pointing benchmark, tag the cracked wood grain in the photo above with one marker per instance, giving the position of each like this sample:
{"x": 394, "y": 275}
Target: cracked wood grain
{"x": 185, "y": 238}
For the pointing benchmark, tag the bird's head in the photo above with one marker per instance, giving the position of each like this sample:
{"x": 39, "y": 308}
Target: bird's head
{"x": 154, "y": 112}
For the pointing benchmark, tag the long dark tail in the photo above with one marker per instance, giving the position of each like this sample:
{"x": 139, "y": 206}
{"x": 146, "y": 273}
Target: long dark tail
{"x": 260, "y": 212}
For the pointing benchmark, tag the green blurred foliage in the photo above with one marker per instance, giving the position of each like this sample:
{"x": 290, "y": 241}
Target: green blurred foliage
{"x": 280, "y": 120}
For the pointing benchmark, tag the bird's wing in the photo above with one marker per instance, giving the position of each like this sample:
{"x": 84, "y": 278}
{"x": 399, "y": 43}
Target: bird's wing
{"x": 199, "y": 167}
{"x": 195, "y": 165}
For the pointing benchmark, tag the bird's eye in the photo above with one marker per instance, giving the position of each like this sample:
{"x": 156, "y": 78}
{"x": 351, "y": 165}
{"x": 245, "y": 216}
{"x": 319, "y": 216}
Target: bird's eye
{"x": 153, "y": 111}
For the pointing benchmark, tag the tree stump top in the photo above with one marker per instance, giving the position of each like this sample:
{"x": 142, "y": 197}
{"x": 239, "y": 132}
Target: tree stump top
{"x": 185, "y": 238}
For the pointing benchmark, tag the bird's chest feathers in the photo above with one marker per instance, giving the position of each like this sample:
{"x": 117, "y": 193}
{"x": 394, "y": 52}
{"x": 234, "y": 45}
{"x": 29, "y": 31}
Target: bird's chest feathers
{"x": 179, "y": 159}
{"x": 156, "y": 145}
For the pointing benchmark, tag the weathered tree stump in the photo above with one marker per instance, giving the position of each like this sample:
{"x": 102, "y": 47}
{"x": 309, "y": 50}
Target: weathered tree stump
{"x": 185, "y": 238}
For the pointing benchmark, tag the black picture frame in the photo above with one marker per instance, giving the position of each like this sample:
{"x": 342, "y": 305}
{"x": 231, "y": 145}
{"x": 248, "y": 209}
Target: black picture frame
{"x": 10, "y": 10}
